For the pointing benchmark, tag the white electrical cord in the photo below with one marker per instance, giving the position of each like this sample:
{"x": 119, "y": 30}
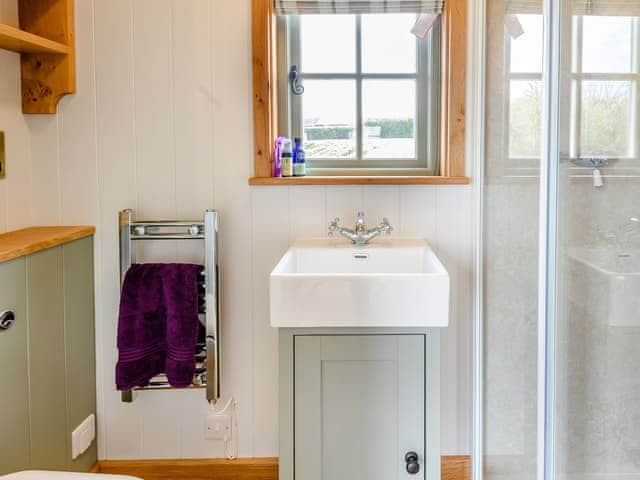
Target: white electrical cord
{"x": 235, "y": 433}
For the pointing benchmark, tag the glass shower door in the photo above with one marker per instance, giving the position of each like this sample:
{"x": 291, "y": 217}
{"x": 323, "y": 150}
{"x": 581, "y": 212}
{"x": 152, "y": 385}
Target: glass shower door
{"x": 592, "y": 350}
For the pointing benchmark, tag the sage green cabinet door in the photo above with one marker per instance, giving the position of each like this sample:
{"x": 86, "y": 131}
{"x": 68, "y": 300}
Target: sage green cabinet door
{"x": 14, "y": 375}
{"x": 47, "y": 403}
{"x": 359, "y": 406}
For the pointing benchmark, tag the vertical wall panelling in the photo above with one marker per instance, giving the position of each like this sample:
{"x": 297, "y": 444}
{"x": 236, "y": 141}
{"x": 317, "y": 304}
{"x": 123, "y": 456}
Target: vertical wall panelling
{"x": 77, "y": 131}
{"x": 154, "y": 108}
{"x": 418, "y": 212}
{"x": 15, "y": 189}
{"x": 162, "y": 123}
{"x": 117, "y": 170}
{"x": 192, "y": 107}
{"x": 307, "y": 205}
{"x": 344, "y": 203}
{"x": 453, "y": 246}
{"x": 379, "y": 202}
{"x": 45, "y": 163}
{"x": 231, "y": 97}
{"x": 271, "y": 220}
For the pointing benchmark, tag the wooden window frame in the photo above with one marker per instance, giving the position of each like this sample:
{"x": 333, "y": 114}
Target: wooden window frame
{"x": 453, "y": 104}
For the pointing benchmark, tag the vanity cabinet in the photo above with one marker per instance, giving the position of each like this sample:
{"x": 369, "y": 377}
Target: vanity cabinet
{"x": 47, "y": 355}
{"x": 356, "y": 404}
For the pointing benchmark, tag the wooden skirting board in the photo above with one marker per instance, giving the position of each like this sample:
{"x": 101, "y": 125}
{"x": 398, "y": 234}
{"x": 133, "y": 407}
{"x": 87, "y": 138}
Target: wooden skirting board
{"x": 453, "y": 468}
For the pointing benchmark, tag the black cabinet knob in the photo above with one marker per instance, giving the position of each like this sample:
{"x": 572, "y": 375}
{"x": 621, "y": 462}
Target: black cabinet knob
{"x": 411, "y": 459}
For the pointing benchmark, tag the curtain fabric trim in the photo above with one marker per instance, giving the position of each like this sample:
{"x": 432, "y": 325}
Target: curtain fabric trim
{"x": 630, "y": 8}
{"x": 311, "y": 7}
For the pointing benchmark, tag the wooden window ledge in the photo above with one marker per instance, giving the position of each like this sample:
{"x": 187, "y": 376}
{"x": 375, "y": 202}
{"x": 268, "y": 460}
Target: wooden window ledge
{"x": 353, "y": 180}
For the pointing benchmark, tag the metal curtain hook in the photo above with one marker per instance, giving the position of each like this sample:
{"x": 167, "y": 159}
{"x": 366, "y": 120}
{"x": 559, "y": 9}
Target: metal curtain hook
{"x": 294, "y": 80}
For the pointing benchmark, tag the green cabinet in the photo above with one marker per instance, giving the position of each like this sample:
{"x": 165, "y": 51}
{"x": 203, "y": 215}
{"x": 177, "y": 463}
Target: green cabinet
{"x": 48, "y": 357}
{"x": 14, "y": 371}
{"x": 355, "y": 404}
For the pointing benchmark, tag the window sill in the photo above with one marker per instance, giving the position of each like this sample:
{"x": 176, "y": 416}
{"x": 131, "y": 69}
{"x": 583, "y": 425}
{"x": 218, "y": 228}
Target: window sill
{"x": 355, "y": 180}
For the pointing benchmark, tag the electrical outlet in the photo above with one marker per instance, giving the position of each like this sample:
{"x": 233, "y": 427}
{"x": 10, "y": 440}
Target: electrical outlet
{"x": 83, "y": 436}
{"x": 3, "y": 157}
{"x": 217, "y": 427}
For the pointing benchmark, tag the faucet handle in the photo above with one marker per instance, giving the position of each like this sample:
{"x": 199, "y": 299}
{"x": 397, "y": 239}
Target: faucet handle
{"x": 385, "y": 226}
{"x": 334, "y": 226}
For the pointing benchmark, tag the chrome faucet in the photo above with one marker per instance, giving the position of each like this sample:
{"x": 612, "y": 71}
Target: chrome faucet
{"x": 360, "y": 235}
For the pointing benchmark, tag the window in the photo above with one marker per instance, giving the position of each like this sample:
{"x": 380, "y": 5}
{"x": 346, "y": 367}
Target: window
{"x": 523, "y": 92}
{"x": 353, "y": 69}
{"x": 371, "y": 92}
{"x": 605, "y": 78}
{"x": 604, "y": 75}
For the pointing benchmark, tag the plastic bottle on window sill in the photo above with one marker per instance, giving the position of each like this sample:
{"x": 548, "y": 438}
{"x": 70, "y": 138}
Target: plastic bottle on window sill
{"x": 299, "y": 161}
{"x": 276, "y": 161}
{"x": 287, "y": 160}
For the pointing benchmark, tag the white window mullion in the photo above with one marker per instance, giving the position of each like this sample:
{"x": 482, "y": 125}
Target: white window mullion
{"x": 635, "y": 132}
{"x": 359, "y": 126}
{"x": 576, "y": 131}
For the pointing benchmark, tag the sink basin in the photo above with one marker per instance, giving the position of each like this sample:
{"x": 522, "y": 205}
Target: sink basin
{"x": 392, "y": 282}
{"x": 606, "y": 282}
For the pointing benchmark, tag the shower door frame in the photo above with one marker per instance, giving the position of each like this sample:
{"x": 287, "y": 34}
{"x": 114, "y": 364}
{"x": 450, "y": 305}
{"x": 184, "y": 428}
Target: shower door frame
{"x": 548, "y": 248}
{"x": 548, "y": 241}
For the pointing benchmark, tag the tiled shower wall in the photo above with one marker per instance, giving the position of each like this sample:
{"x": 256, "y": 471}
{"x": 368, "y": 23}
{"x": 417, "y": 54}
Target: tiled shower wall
{"x": 162, "y": 123}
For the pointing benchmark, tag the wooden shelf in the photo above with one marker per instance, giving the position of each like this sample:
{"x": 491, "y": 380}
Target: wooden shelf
{"x": 19, "y": 41}
{"x": 353, "y": 180}
{"x": 45, "y": 42}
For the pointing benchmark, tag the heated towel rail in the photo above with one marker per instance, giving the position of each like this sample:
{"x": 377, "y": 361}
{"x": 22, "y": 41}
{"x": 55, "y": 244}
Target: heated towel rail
{"x": 207, "y": 230}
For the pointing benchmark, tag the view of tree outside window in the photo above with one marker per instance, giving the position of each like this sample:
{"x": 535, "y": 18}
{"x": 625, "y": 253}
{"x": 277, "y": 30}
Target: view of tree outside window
{"x": 371, "y": 103}
{"x": 604, "y": 77}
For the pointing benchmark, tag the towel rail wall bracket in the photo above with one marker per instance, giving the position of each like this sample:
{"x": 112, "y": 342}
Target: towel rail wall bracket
{"x": 206, "y": 230}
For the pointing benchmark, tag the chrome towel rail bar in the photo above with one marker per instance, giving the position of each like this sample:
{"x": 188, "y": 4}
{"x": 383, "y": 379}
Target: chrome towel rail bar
{"x": 207, "y": 230}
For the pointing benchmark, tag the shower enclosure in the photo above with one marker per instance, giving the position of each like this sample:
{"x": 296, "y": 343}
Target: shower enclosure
{"x": 561, "y": 241}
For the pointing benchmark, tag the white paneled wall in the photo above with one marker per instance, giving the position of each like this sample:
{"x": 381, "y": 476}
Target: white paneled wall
{"x": 15, "y": 190}
{"x": 162, "y": 123}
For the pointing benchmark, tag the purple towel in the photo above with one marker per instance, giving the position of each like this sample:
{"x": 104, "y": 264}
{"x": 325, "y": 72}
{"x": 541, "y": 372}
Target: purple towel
{"x": 158, "y": 324}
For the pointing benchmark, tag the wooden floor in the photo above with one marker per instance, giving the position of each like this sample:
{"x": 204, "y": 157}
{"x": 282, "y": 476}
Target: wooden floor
{"x": 453, "y": 468}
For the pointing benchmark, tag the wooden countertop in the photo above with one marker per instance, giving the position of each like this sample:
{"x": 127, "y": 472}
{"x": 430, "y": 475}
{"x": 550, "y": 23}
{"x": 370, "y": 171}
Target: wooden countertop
{"x": 33, "y": 239}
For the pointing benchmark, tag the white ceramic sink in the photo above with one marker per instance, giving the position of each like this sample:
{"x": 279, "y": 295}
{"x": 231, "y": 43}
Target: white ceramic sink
{"x": 606, "y": 283}
{"x": 392, "y": 282}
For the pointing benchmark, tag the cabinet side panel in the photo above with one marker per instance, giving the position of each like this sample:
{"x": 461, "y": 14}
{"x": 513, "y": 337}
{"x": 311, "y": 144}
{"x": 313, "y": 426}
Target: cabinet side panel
{"x": 79, "y": 331}
{"x": 14, "y": 400}
{"x": 48, "y": 410}
{"x": 308, "y": 407}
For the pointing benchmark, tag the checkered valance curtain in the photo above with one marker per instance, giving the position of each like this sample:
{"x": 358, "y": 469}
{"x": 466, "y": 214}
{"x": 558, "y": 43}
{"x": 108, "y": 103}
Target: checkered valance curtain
{"x": 629, "y": 8}
{"x": 524, "y": 6}
{"x": 310, "y": 7}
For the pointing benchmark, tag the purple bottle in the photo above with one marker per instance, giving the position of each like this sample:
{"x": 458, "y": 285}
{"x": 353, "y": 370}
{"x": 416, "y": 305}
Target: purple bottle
{"x": 276, "y": 160}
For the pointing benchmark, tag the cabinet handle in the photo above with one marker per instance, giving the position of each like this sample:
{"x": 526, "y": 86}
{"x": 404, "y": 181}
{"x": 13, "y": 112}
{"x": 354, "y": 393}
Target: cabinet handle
{"x": 411, "y": 459}
{"x": 7, "y": 317}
